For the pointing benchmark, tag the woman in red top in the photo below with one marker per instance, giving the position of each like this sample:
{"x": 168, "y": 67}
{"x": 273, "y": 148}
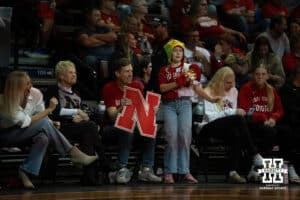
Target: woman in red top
{"x": 263, "y": 106}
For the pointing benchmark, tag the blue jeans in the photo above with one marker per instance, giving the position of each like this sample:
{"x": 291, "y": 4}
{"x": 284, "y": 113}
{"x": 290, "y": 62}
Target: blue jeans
{"x": 41, "y": 134}
{"x": 178, "y": 128}
{"x": 125, "y": 140}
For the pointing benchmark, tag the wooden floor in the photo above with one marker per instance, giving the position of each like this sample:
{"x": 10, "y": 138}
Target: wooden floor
{"x": 151, "y": 192}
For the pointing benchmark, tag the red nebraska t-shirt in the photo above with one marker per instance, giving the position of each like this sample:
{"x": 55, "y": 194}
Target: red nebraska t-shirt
{"x": 112, "y": 94}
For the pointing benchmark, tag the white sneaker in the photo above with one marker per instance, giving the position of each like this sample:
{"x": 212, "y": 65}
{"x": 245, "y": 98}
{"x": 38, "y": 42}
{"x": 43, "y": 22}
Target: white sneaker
{"x": 253, "y": 176}
{"x": 123, "y": 176}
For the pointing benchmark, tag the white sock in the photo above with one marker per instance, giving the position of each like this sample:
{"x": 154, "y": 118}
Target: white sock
{"x": 292, "y": 172}
{"x": 257, "y": 160}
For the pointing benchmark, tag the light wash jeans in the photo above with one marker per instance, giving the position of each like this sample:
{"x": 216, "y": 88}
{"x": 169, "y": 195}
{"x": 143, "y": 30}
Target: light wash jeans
{"x": 178, "y": 128}
{"x": 41, "y": 134}
{"x": 125, "y": 139}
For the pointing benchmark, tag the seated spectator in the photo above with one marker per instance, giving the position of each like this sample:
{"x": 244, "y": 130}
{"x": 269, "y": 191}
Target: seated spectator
{"x": 139, "y": 9}
{"x": 75, "y": 123}
{"x": 273, "y": 8}
{"x": 225, "y": 121}
{"x": 290, "y": 96}
{"x": 290, "y": 60}
{"x": 241, "y": 16}
{"x": 263, "y": 54}
{"x": 294, "y": 27}
{"x": 108, "y": 14}
{"x": 177, "y": 83}
{"x": 225, "y": 46}
{"x": 263, "y": 106}
{"x": 115, "y": 102}
{"x": 46, "y": 10}
{"x": 126, "y": 47}
{"x": 240, "y": 68}
{"x": 209, "y": 28}
{"x": 195, "y": 54}
{"x": 180, "y": 9}
{"x": 278, "y": 39}
{"x": 145, "y": 72}
{"x": 133, "y": 26}
{"x": 96, "y": 39}
{"x": 24, "y": 120}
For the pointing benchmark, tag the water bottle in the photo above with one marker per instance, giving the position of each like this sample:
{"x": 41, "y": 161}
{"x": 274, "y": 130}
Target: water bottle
{"x": 199, "y": 111}
{"x": 101, "y": 108}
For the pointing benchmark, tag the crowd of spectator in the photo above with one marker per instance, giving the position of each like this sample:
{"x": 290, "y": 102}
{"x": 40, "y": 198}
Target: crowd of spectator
{"x": 244, "y": 53}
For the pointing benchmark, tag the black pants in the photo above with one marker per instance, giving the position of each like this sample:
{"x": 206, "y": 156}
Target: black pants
{"x": 233, "y": 130}
{"x": 87, "y": 135}
{"x": 267, "y": 137}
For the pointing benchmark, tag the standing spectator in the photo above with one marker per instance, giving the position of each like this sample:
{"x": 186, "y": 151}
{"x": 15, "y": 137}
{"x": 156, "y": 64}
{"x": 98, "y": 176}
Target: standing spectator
{"x": 263, "y": 54}
{"x": 209, "y": 28}
{"x": 75, "y": 123}
{"x": 96, "y": 39}
{"x": 145, "y": 72}
{"x": 225, "y": 121}
{"x": 24, "y": 119}
{"x": 176, "y": 81}
{"x": 109, "y": 15}
{"x": 159, "y": 57}
{"x": 273, "y": 8}
{"x": 278, "y": 39}
{"x": 113, "y": 93}
{"x": 263, "y": 106}
{"x": 290, "y": 60}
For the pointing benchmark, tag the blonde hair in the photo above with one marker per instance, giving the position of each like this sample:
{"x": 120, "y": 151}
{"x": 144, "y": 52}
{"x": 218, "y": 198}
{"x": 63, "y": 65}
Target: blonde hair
{"x": 269, "y": 88}
{"x": 216, "y": 84}
{"x": 61, "y": 67}
{"x": 13, "y": 92}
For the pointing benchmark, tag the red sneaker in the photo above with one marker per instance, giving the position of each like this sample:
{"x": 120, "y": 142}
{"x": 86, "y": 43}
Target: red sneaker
{"x": 169, "y": 179}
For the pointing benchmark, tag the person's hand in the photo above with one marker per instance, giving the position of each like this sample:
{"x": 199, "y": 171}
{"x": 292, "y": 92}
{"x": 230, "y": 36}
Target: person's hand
{"x": 53, "y": 103}
{"x": 270, "y": 122}
{"x": 241, "y": 37}
{"x": 77, "y": 118}
{"x": 56, "y": 124}
{"x": 240, "y": 111}
{"x": 83, "y": 115}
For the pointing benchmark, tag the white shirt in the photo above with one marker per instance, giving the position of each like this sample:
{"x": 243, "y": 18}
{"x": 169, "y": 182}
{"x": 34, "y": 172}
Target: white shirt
{"x": 22, "y": 116}
{"x": 227, "y": 107}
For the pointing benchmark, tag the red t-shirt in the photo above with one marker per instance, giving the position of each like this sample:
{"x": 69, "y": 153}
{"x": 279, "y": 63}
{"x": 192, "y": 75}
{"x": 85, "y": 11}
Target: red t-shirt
{"x": 270, "y": 10}
{"x": 112, "y": 94}
{"x": 289, "y": 62}
{"x": 242, "y": 5}
{"x": 252, "y": 97}
{"x": 169, "y": 74}
{"x": 111, "y": 18}
{"x": 179, "y": 9}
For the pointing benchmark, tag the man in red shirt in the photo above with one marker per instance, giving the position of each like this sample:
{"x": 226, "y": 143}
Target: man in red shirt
{"x": 115, "y": 102}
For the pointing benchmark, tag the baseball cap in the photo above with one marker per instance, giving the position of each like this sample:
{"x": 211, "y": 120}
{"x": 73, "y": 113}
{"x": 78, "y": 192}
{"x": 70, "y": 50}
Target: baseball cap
{"x": 159, "y": 20}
